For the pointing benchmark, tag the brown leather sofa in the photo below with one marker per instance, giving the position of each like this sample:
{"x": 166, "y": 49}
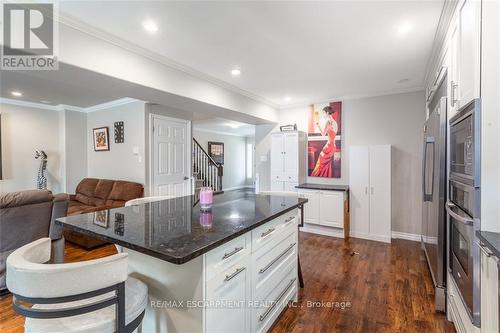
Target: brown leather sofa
{"x": 94, "y": 194}
{"x": 26, "y": 216}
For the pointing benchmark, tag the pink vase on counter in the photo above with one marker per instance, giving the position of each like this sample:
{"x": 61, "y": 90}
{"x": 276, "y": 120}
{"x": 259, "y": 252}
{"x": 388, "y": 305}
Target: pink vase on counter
{"x": 206, "y": 198}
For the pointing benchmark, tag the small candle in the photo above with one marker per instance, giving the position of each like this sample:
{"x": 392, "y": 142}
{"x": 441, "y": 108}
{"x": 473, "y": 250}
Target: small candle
{"x": 206, "y": 198}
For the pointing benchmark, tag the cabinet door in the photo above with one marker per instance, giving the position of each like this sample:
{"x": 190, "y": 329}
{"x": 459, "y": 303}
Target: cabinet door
{"x": 380, "y": 192}
{"x": 277, "y": 185}
{"x": 232, "y": 285}
{"x": 277, "y": 163}
{"x": 291, "y": 156}
{"x": 359, "y": 165}
{"x": 311, "y": 208}
{"x": 290, "y": 186}
{"x": 454, "y": 72}
{"x": 489, "y": 293}
{"x": 469, "y": 55}
{"x": 331, "y": 209}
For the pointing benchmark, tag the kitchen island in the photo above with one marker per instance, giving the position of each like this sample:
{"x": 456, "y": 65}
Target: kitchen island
{"x": 232, "y": 269}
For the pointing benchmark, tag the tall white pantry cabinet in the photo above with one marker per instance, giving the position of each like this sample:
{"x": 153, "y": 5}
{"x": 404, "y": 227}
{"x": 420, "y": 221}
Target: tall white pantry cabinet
{"x": 288, "y": 160}
{"x": 370, "y": 192}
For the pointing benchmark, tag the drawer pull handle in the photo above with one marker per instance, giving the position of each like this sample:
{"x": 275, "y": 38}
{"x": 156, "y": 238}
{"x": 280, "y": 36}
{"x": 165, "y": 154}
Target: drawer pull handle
{"x": 280, "y": 296}
{"x": 236, "y": 272}
{"x": 289, "y": 219}
{"x": 264, "y": 234}
{"x": 232, "y": 253}
{"x": 262, "y": 270}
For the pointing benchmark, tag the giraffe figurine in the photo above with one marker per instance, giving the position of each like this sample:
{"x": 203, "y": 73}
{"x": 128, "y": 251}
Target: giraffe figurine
{"x": 41, "y": 182}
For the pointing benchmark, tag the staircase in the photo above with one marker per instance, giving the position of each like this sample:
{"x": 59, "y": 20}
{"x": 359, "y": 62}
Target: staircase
{"x": 206, "y": 172}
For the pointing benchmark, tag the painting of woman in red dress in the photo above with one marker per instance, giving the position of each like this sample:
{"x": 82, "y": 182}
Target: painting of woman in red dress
{"x": 327, "y": 125}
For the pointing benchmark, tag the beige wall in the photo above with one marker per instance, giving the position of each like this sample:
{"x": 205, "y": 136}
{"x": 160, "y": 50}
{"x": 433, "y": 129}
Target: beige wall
{"x": 24, "y": 130}
{"x": 119, "y": 162}
{"x": 392, "y": 119}
{"x": 234, "y": 156}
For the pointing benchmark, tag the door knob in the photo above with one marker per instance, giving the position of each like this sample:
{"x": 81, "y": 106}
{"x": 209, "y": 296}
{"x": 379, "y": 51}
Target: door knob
{"x": 186, "y": 177}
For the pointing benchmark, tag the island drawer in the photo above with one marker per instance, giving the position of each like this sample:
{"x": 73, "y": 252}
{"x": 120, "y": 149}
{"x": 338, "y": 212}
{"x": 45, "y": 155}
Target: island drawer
{"x": 227, "y": 295}
{"x": 224, "y": 256}
{"x": 272, "y": 231}
{"x": 266, "y": 309}
{"x": 269, "y": 263}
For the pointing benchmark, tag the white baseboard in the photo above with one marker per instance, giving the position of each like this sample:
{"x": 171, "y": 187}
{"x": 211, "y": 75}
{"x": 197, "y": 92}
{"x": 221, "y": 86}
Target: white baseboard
{"x": 325, "y": 231}
{"x": 407, "y": 236}
{"x": 378, "y": 238}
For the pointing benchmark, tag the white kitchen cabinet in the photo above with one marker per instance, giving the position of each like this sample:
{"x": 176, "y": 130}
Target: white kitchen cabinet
{"x": 288, "y": 160}
{"x": 465, "y": 56}
{"x": 331, "y": 212}
{"x": 489, "y": 292}
{"x": 370, "y": 192}
{"x": 231, "y": 285}
{"x": 311, "y": 208}
{"x": 325, "y": 208}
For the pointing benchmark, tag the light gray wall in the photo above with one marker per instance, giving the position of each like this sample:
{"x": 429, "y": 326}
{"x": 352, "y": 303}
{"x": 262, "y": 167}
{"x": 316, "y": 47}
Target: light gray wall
{"x": 24, "y": 130}
{"x": 392, "y": 119}
{"x": 75, "y": 148}
{"x": 234, "y": 156}
{"x": 262, "y": 155}
{"x": 119, "y": 162}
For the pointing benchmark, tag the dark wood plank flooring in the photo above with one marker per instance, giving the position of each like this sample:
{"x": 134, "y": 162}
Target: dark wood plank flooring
{"x": 388, "y": 288}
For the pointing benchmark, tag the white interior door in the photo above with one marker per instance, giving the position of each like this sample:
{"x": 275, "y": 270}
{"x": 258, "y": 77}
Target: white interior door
{"x": 277, "y": 156}
{"x": 380, "y": 192}
{"x": 171, "y": 160}
{"x": 359, "y": 166}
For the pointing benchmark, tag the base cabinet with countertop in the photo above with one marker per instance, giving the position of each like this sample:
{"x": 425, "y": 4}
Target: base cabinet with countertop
{"x": 490, "y": 292}
{"x": 232, "y": 269}
{"x": 327, "y": 207}
{"x": 242, "y": 285}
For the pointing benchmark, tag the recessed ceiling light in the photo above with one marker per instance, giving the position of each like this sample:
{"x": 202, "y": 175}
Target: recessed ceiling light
{"x": 236, "y": 72}
{"x": 287, "y": 98}
{"x": 233, "y": 125}
{"x": 404, "y": 80}
{"x": 16, "y": 93}
{"x": 150, "y": 26}
{"x": 404, "y": 28}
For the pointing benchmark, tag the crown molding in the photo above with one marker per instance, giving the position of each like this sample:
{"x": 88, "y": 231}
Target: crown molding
{"x": 220, "y": 132}
{"x": 63, "y": 107}
{"x": 353, "y": 97}
{"x": 83, "y": 27}
{"x": 438, "y": 46}
{"x": 110, "y": 104}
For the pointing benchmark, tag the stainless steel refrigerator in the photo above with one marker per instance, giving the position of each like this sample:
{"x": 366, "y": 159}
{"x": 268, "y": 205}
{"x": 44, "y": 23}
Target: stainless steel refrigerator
{"x": 434, "y": 184}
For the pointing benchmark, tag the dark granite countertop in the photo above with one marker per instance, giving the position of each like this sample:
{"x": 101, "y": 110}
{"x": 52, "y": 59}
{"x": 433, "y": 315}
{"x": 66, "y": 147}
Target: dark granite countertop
{"x": 491, "y": 240}
{"x": 174, "y": 230}
{"x": 324, "y": 187}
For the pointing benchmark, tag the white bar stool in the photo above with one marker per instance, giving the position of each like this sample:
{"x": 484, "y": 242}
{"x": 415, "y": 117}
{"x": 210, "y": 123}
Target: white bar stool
{"x": 88, "y": 296}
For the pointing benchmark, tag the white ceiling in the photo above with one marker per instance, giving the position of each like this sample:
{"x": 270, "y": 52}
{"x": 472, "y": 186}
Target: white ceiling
{"x": 224, "y": 126}
{"x": 310, "y": 51}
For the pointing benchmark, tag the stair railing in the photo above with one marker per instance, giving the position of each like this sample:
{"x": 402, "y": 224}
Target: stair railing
{"x": 206, "y": 169}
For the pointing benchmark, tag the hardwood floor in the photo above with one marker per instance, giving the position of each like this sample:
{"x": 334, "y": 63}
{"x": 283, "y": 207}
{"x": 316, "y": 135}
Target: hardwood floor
{"x": 386, "y": 288}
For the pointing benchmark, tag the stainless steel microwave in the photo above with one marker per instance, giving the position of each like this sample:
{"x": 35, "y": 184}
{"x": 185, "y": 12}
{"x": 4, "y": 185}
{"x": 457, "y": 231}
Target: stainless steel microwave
{"x": 464, "y": 144}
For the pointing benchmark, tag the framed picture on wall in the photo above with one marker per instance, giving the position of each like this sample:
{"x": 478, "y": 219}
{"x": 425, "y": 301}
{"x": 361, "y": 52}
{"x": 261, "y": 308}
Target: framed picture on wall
{"x": 101, "y": 139}
{"x": 216, "y": 151}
